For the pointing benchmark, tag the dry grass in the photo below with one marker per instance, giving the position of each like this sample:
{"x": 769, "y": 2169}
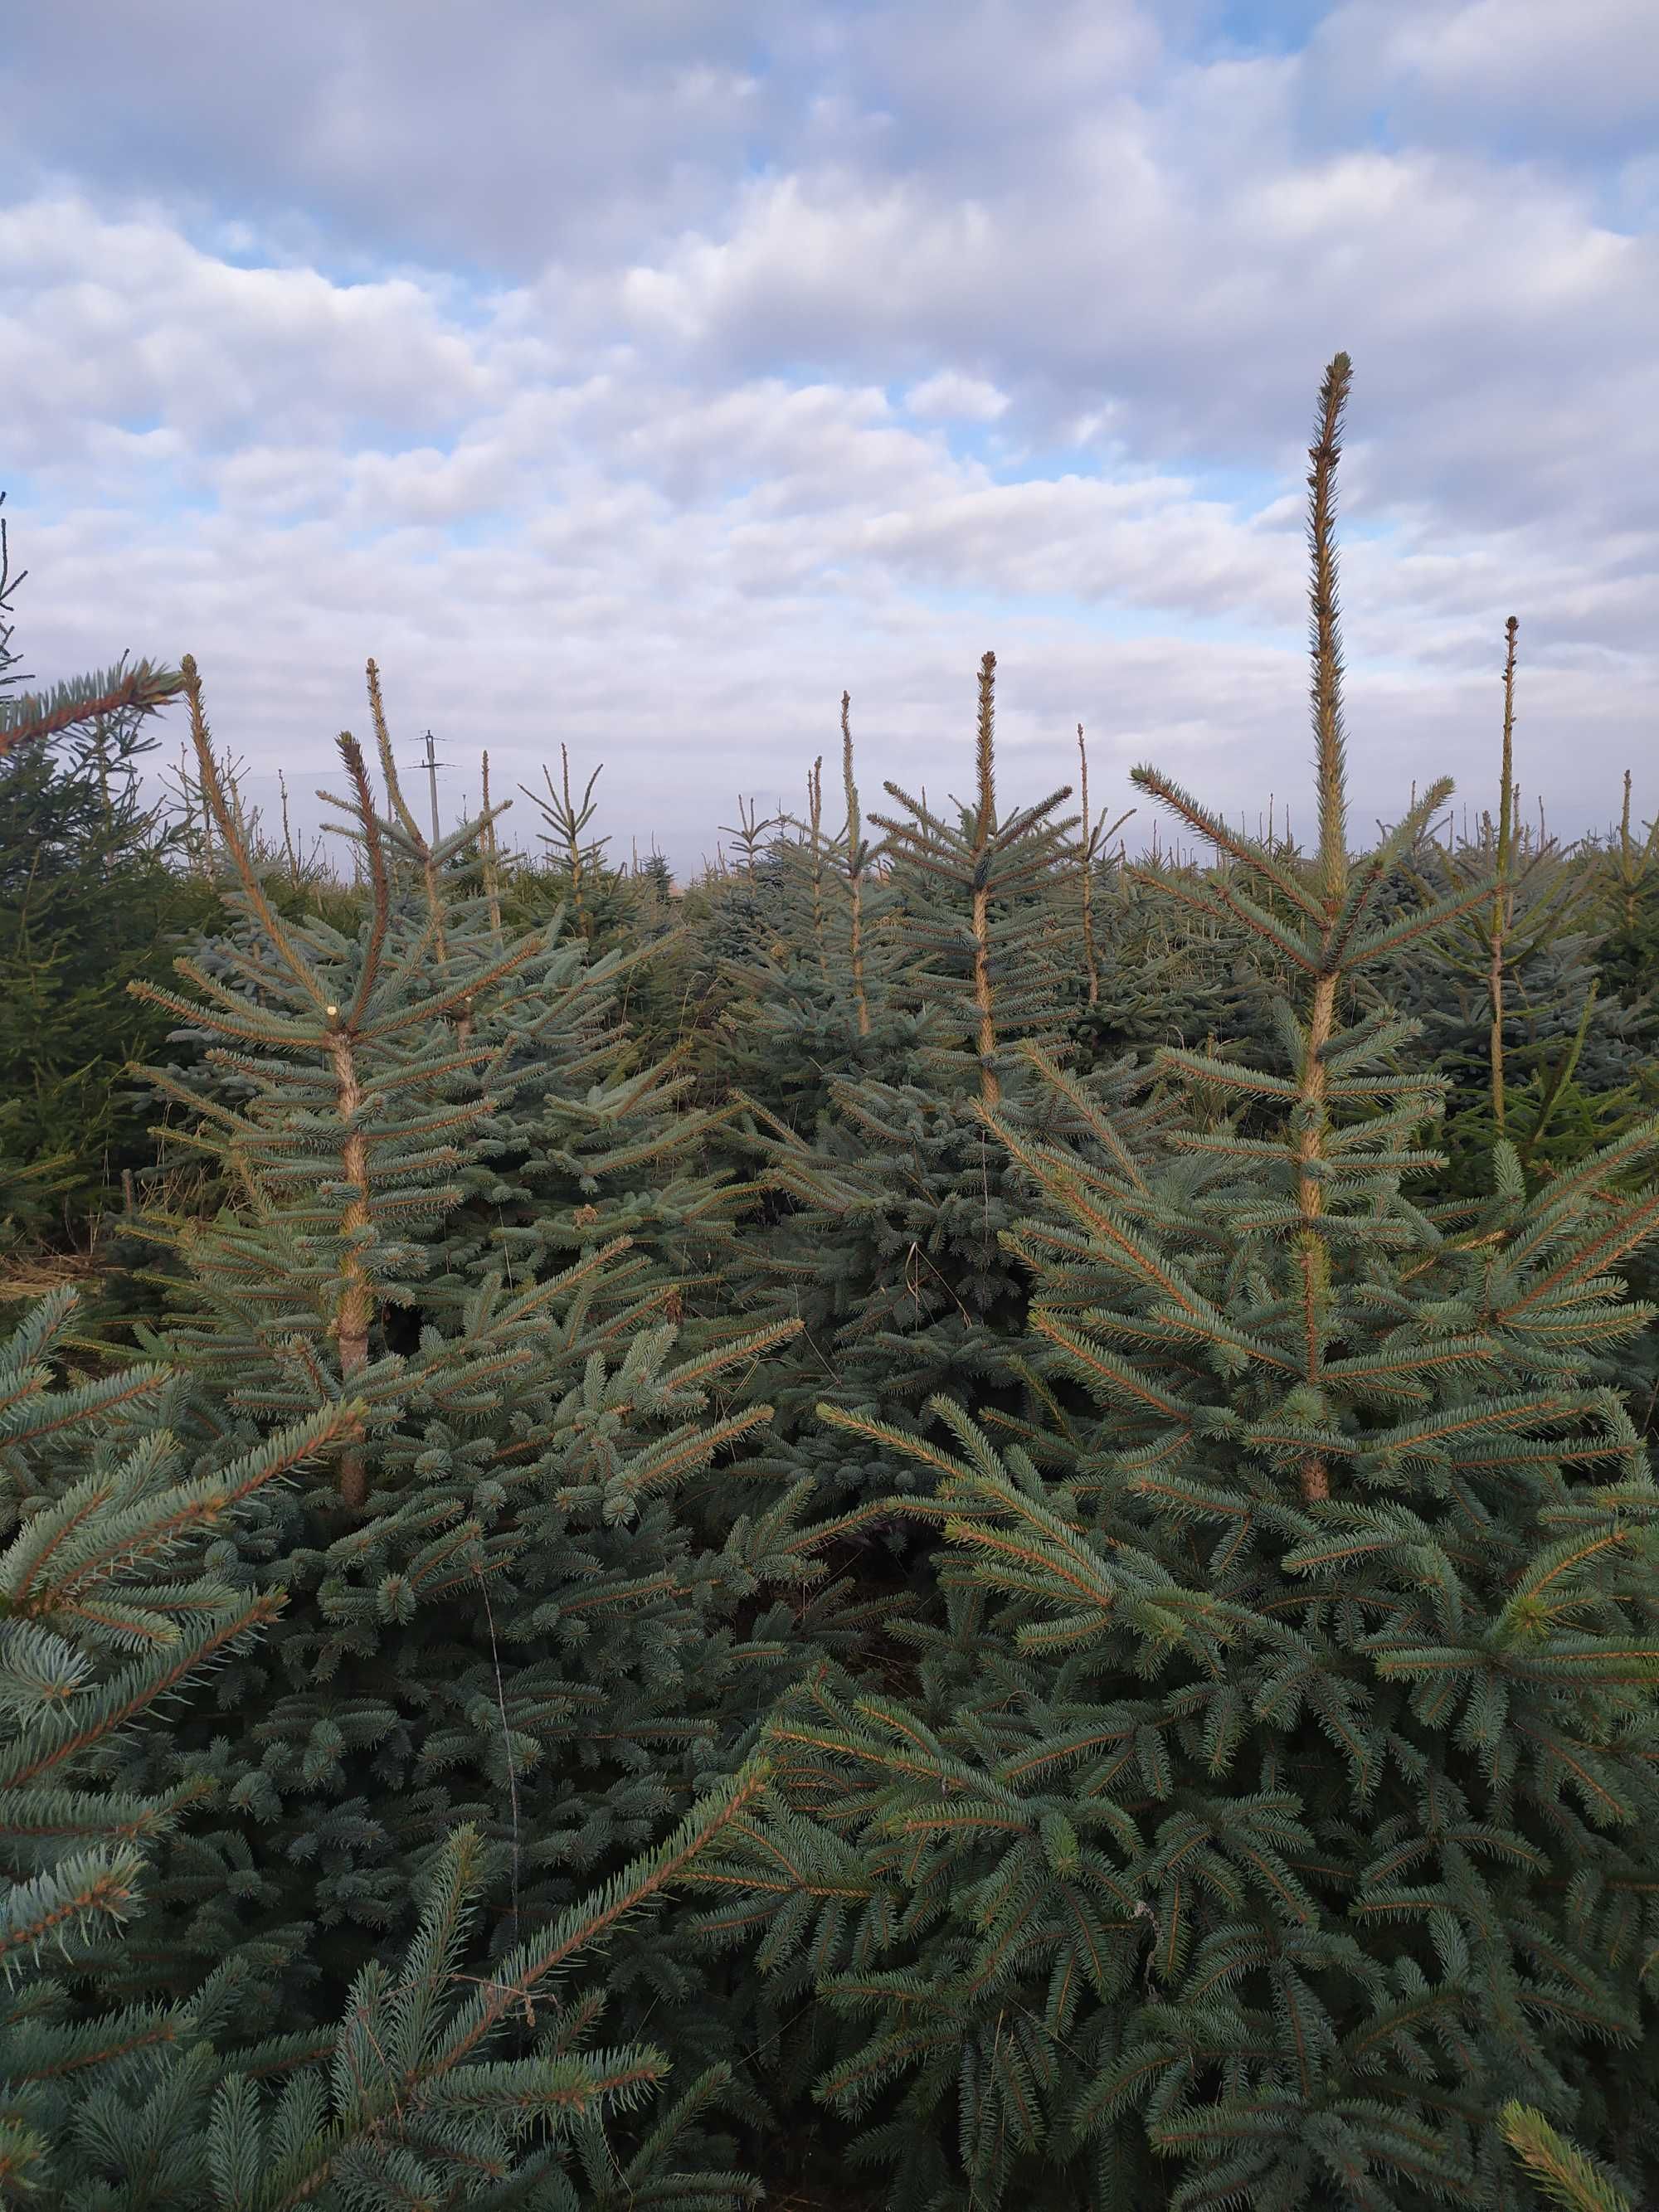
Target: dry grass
{"x": 32, "y": 1274}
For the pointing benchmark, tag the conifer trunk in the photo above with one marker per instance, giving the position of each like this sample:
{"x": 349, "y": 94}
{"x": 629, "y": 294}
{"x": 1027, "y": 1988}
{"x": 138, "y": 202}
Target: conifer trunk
{"x": 357, "y": 1306}
{"x": 1333, "y": 869}
{"x": 855, "y": 869}
{"x": 1316, "y": 1475}
{"x": 990, "y": 1090}
{"x": 1502, "y": 896}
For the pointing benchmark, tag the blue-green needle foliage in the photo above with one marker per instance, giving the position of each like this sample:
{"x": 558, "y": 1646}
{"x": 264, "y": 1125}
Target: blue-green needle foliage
{"x": 1277, "y": 1795}
{"x": 911, "y": 988}
{"x": 111, "y": 1607}
{"x": 533, "y": 1591}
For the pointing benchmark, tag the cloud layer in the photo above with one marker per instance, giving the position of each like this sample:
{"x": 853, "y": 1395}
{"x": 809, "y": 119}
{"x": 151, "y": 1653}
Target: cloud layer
{"x": 639, "y": 379}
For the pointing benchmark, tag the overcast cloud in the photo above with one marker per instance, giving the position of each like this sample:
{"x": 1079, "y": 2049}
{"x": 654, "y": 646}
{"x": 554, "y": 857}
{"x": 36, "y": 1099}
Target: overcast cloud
{"x": 638, "y": 377}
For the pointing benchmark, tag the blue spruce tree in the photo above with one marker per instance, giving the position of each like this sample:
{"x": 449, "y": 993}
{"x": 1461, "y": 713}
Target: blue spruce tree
{"x": 538, "y": 1592}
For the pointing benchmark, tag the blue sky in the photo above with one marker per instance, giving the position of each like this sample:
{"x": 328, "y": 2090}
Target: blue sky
{"x": 638, "y": 378}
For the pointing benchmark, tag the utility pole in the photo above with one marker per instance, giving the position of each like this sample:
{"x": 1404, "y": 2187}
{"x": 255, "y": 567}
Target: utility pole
{"x": 433, "y": 765}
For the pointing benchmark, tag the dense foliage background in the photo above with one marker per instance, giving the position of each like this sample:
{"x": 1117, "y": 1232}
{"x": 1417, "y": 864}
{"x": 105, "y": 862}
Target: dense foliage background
{"x": 946, "y": 1520}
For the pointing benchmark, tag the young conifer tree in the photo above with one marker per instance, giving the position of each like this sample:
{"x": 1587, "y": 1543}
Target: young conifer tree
{"x": 111, "y": 1603}
{"x": 1535, "y": 1052}
{"x": 1626, "y": 874}
{"x": 1277, "y": 1804}
{"x": 584, "y": 1143}
{"x": 890, "y": 1250}
{"x": 86, "y": 892}
{"x": 37, "y": 718}
{"x": 817, "y": 998}
{"x": 818, "y": 1003}
{"x": 1170, "y": 973}
{"x": 537, "y": 1593}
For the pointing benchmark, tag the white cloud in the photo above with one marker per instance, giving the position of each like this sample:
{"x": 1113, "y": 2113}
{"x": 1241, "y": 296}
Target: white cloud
{"x": 1570, "y": 78}
{"x": 547, "y": 356}
{"x": 950, "y": 397}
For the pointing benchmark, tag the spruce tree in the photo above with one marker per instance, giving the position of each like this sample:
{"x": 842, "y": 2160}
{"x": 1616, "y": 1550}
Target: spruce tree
{"x": 32, "y": 1184}
{"x": 1275, "y": 1805}
{"x": 113, "y": 1600}
{"x": 817, "y": 999}
{"x": 1169, "y": 972}
{"x": 1511, "y": 995}
{"x": 1626, "y": 874}
{"x": 886, "y": 1244}
{"x": 537, "y": 1595}
{"x": 586, "y": 1142}
{"x": 88, "y": 900}
{"x": 37, "y": 718}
